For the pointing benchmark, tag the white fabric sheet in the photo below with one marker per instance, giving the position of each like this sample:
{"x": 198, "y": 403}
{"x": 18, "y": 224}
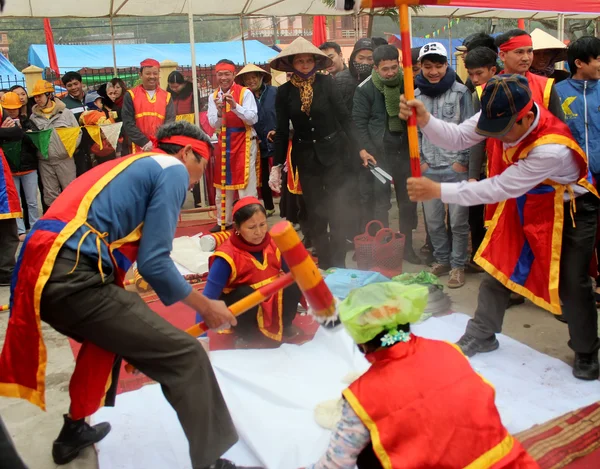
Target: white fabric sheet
{"x": 272, "y": 395}
{"x": 188, "y": 256}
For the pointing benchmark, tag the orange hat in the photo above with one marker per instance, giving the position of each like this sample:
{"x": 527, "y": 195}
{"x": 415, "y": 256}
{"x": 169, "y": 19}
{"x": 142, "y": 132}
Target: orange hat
{"x": 11, "y": 100}
{"x": 150, "y": 63}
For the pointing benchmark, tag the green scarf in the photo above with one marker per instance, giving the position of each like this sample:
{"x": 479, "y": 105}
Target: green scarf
{"x": 391, "y": 89}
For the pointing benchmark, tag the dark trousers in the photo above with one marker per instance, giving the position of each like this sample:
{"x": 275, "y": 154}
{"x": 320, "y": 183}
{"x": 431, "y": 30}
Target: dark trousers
{"x": 247, "y": 325}
{"x": 325, "y": 206}
{"x": 9, "y": 243}
{"x": 367, "y": 459}
{"x": 9, "y": 458}
{"x": 575, "y": 285}
{"x": 477, "y": 225}
{"x": 265, "y": 190}
{"x": 81, "y": 306}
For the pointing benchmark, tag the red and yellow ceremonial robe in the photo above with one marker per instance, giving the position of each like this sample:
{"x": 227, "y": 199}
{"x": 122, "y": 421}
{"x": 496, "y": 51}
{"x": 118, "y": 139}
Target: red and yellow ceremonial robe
{"x": 293, "y": 178}
{"x": 149, "y": 113}
{"x": 23, "y": 358}
{"x": 232, "y": 166}
{"x": 425, "y": 407}
{"x": 246, "y": 270}
{"x": 522, "y": 246}
{"x": 541, "y": 89}
{"x": 10, "y": 205}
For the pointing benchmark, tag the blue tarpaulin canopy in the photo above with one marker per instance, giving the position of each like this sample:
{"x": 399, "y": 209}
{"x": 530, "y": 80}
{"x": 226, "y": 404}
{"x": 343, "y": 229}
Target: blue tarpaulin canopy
{"x": 130, "y": 55}
{"x": 9, "y": 75}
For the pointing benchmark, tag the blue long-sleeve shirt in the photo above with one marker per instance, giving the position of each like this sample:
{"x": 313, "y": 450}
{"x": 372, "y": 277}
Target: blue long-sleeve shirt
{"x": 150, "y": 193}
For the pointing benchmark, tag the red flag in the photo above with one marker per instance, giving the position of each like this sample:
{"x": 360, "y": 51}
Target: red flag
{"x": 319, "y": 30}
{"x": 50, "y": 45}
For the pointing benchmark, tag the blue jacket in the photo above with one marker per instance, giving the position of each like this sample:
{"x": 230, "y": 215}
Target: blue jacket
{"x": 267, "y": 119}
{"x": 581, "y": 104}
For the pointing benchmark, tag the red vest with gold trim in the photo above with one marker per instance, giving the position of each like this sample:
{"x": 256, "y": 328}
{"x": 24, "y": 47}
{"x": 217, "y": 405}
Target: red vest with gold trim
{"x": 293, "y": 178}
{"x": 149, "y": 113}
{"x": 232, "y": 167}
{"x": 426, "y": 408}
{"x": 522, "y": 246}
{"x": 23, "y": 359}
{"x": 10, "y": 205}
{"x": 246, "y": 270}
{"x": 541, "y": 88}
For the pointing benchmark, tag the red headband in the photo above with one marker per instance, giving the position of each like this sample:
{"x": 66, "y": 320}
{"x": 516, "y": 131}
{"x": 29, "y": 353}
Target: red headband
{"x": 517, "y": 42}
{"x": 523, "y": 112}
{"x": 244, "y": 203}
{"x": 150, "y": 63}
{"x": 200, "y": 147}
{"x": 222, "y": 67}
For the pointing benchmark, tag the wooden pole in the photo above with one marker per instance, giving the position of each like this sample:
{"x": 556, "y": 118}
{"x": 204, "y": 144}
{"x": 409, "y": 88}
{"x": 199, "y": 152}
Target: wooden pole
{"x": 409, "y": 90}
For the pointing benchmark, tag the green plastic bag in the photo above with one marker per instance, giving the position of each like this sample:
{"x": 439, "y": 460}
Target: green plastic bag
{"x": 372, "y": 309}
{"x": 422, "y": 278}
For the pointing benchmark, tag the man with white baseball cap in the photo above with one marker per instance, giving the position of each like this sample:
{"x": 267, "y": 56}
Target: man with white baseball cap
{"x": 451, "y": 102}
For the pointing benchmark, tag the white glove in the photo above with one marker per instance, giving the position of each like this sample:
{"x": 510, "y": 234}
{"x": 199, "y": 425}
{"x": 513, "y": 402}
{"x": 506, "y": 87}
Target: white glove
{"x": 148, "y": 147}
{"x": 275, "y": 178}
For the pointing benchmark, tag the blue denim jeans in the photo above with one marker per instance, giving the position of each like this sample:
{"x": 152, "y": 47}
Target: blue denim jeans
{"x": 30, "y": 188}
{"x": 435, "y": 214}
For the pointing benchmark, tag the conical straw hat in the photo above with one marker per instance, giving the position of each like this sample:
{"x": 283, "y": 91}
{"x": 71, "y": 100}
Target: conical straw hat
{"x": 544, "y": 41}
{"x": 283, "y": 62}
{"x": 251, "y": 68}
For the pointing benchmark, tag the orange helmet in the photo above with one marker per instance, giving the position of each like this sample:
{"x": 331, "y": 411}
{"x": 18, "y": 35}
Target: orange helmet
{"x": 11, "y": 100}
{"x": 42, "y": 87}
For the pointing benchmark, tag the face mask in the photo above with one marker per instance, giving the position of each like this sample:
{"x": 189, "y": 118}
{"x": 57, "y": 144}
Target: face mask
{"x": 363, "y": 69}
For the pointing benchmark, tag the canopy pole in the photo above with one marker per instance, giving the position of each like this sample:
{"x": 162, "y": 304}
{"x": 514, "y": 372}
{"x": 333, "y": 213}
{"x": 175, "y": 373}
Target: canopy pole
{"x": 561, "y": 27}
{"x": 243, "y": 41}
{"x": 114, "y": 49}
{"x": 195, "y": 84}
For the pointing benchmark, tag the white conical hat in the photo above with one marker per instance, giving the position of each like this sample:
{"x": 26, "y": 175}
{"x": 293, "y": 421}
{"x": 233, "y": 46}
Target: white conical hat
{"x": 283, "y": 62}
{"x": 251, "y": 68}
{"x": 544, "y": 41}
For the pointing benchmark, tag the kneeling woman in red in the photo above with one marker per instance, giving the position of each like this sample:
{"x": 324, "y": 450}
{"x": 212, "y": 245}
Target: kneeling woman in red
{"x": 248, "y": 260}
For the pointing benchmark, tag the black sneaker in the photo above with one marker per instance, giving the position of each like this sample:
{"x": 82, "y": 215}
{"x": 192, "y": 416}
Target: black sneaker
{"x": 217, "y": 228}
{"x": 75, "y": 436}
{"x": 586, "y": 366}
{"x": 472, "y": 345}
{"x": 226, "y": 464}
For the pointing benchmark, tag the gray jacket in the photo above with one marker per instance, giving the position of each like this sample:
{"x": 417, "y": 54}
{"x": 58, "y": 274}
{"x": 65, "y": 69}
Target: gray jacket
{"x": 59, "y": 118}
{"x": 454, "y": 106}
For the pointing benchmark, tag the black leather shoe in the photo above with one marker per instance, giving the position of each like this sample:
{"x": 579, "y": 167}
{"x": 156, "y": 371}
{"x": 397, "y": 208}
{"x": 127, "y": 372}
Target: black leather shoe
{"x": 586, "y": 366}
{"x": 226, "y": 464}
{"x": 411, "y": 257}
{"x": 217, "y": 228}
{"x": 472, "y": 345}
{"x": 75, "y": 436}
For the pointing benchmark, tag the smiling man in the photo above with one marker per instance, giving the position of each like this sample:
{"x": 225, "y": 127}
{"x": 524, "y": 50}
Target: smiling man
{"x": 544, "y": 192}
{"x": 232, "y": 111}
{"x": 146, "y": 107}
{"x": 70, "y": 275}
{"x": 450, "y": 101}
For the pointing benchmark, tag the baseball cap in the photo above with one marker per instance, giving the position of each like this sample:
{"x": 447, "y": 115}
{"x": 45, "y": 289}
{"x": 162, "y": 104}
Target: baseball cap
{"x": 433, "y": 48}
{"x": 91, "y": 97}
{"x": 506, "y": 99}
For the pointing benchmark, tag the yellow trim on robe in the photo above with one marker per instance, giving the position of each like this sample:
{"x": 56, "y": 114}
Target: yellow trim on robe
{"x": 149, "y": 114}
{"x": 380, "y": 451}
{"x": 36, "y": 396}
{"x": 6, "y": 216}
{"x": 229, "y": 260}
{"x": 264, "y": 264}
{"x": 495, "y": 455}
{"x": 548, "y": 92}
{"x": 135, "y": 235}
{"x": 261, "y": 321}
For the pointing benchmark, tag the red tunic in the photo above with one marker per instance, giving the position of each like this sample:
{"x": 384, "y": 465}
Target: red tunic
{"x": 10, "y": 206}
{"x": 541, "y": 88}
{"x": 426, "y": 408}
{"x": 522, "y": 246}
{"x": 246, "y": 270}
{"x": 232, "y": 167}
{"x": 150, "y": 113}
{"x": 23, "y": 359}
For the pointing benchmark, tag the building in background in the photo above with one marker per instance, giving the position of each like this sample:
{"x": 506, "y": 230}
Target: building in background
{"x": 4, "y": 44}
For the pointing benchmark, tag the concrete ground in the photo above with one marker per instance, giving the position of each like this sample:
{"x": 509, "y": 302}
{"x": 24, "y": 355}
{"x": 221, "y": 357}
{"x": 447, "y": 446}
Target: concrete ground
{"x": 34, "y": 430}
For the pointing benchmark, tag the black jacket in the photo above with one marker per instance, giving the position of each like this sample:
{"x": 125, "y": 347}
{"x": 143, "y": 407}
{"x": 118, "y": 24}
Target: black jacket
{"x": 317, "y": 133}
{"x": 10, "y": 134}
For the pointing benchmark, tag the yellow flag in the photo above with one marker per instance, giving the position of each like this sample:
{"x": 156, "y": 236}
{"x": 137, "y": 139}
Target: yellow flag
{"x": 68, "y": 136}
{"x": 94, "y": 131}
{"x": 186, "y": 117}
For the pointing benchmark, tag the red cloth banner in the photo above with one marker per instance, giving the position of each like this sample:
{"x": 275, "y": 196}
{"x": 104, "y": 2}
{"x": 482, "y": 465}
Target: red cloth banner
{"x": 50, "y": 45}
{"x": 319, "y": 30}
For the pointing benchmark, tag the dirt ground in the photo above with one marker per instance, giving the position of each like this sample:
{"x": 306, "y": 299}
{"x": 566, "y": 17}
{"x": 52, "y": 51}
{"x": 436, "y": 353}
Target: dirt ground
{"x": 34, "y": 430}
